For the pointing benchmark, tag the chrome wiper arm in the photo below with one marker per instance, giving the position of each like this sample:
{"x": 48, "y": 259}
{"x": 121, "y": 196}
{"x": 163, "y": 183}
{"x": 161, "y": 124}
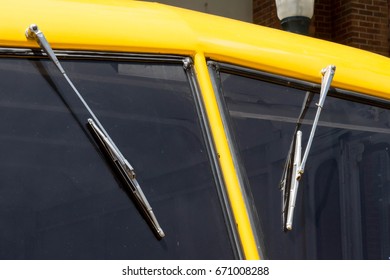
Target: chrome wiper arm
{"x": 299, "y": 163}
{"x": 33, "y": 33}
{"x": 128, "y": 174}
{"x": 328, "y": 74}
{"x": 123, "y": 166}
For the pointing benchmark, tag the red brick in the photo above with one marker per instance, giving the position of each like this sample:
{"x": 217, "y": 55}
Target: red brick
{"x": 359, "y": 23}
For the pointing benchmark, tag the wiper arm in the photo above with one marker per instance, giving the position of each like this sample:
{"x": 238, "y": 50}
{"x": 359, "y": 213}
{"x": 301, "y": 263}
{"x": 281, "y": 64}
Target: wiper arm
{"x": 328, "y": 74}
{"x": 120, "y": 162}
{"x": 298, "y": 165}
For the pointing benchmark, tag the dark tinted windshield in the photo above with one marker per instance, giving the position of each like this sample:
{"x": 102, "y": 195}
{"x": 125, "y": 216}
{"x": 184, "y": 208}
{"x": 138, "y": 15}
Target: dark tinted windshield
{"x": 343, "y": 204}
{"x": 59, "y": 198}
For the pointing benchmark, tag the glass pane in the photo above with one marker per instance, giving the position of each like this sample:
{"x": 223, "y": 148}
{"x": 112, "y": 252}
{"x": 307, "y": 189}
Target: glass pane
{"x": 342, "y": 209}
{"x": 59, "y": 198}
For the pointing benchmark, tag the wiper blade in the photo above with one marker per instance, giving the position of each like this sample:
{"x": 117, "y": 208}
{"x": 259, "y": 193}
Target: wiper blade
{"x": 128, "y": 174}
{"x": 123, "y": 166}
{"x": 285, "y": 182}
{"x": 295, "y": 164}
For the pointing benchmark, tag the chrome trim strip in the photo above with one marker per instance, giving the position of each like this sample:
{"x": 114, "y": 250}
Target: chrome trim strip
{"x": 211, "y": 150}
{"x": 248, "y": 198}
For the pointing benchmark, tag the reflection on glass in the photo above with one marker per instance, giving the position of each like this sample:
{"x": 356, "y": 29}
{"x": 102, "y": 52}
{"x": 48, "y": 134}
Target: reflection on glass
{"x": 59, "y": 198}
{"x": 343, "y": 206}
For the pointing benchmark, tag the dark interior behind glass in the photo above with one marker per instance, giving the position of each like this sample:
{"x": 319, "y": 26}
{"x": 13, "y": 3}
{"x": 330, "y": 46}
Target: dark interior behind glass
{"x": 343, "y": 204}
{"x": 60, "y": 199}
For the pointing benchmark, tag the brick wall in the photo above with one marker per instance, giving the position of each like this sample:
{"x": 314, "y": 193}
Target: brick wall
{"x": 322, "y": 19}
{"x": 264, "y": 13}
{"x": 359, "y": 23}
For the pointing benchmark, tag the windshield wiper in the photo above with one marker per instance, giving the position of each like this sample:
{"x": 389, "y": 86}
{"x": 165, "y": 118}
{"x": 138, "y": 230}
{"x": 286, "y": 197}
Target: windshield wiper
{"x": 127, "y": 173}
{"x": 285, "y": 182}
{"x": 295, "y": 165}
{"x": 122, "y": 165}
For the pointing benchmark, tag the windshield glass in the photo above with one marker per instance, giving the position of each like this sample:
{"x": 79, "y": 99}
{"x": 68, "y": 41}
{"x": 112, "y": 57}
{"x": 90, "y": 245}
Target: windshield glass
{"x": 343, "y": 205}
{"x": 59, "y": 198}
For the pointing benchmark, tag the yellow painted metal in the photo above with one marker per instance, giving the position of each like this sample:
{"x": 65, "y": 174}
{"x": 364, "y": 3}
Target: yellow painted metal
{"x": 237, "y": 203}
{"x": 144, "y": 27}
{"x": 135, "y": 26}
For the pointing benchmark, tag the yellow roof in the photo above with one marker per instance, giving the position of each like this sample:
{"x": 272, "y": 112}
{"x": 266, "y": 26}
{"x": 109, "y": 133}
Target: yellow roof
{"x": 135, "y": 26}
